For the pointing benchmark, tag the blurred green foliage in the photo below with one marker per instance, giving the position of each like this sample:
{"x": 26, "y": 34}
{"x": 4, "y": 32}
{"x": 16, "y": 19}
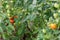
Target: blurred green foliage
{"x": 34, "y": 17}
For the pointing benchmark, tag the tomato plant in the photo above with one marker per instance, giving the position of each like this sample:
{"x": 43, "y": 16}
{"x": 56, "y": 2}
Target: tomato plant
{"x": 29, "y": 20}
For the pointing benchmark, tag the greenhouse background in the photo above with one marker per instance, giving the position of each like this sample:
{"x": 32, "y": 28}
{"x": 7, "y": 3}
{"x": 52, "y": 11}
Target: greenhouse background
{"x": 29, "y": 19}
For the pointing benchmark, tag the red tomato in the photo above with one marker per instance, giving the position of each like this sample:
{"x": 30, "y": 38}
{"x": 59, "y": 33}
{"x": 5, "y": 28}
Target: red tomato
{"x": 12, "y": 21}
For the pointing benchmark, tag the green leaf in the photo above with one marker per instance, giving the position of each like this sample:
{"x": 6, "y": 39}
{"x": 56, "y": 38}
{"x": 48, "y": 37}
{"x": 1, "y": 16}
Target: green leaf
{"x": 1, "y": 30}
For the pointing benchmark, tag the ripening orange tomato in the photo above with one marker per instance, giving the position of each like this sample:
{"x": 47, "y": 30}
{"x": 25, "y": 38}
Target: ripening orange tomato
{"x": 12, "y": 21}
{"x": 53, "y": 26}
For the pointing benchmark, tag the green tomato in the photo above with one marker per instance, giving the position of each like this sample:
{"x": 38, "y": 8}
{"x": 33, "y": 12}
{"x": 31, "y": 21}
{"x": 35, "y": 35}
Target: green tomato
{"x": 59, "y": 11}
{"x": 55, "y": 15}
{"x": 8, "y": 11}
{"x": 7, "y": 6}
{"x": 56, "y": 5}
{"x": 44, "y": 31}
{"x": 11, "y": 1}
{"x": 8, "y": 14}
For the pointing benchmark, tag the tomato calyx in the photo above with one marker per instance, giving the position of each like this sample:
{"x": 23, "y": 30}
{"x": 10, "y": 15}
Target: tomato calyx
{"x": 15, "y": 16}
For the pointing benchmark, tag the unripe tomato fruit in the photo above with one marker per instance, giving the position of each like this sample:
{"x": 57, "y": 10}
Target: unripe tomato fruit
{"x": 55, "y": 15}
{"x": 53, "y": 26}
{"x": 44, "y": 31}
{"x": 56, "y": 5}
